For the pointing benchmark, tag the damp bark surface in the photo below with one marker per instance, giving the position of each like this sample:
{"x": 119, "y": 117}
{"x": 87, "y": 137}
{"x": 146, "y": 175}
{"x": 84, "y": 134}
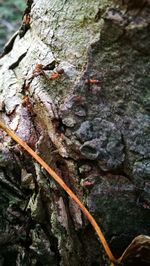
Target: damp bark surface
{"x": 74, "y": 84}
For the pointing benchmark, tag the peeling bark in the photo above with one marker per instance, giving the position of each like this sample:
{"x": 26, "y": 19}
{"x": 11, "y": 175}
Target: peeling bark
{"x": 91, "y": 125}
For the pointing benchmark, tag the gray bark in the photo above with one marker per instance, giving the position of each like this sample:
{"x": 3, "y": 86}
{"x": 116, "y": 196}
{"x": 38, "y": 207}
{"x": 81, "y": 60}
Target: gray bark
{"x": 91, "y": 125}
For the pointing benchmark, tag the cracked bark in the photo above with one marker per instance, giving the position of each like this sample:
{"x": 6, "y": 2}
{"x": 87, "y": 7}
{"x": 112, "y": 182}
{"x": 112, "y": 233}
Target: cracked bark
{"x": 91, "y": 125}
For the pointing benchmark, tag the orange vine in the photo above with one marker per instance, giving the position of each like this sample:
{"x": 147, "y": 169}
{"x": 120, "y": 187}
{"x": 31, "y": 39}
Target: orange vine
{"x": 65, "y": 187}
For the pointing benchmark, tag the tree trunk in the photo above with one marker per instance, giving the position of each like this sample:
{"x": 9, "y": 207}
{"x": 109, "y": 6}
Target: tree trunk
{"x": 74, "y": 85}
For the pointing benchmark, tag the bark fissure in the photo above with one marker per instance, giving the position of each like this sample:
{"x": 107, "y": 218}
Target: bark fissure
{"x": 90, "y": 124}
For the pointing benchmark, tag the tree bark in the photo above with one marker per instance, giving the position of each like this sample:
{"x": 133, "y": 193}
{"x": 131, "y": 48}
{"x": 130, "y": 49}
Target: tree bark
{"x": 74, "y": 85}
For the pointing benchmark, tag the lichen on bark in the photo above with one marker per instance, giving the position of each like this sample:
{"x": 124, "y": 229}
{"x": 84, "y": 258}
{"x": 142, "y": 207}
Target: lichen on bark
{"x": 91, "y": 125}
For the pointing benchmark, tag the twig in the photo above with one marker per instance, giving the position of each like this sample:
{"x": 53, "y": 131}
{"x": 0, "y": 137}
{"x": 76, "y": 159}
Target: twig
{"x": 65, "y": 187}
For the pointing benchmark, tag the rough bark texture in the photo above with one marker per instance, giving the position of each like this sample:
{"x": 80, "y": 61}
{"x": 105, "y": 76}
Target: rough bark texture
{"x": 91, "y": 125}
